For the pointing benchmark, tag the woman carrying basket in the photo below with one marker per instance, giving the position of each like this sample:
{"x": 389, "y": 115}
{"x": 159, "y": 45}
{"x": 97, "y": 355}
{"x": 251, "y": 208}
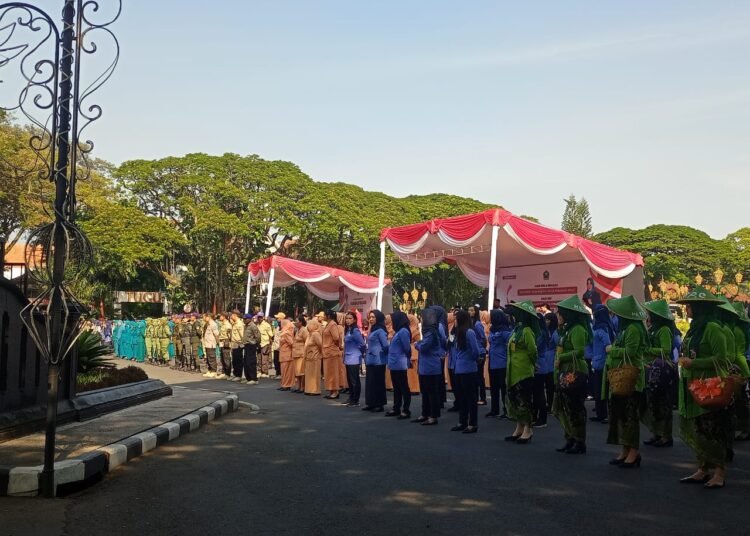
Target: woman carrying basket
{"x": 703, "y": 355}
{"x": 657, "y": 413}
{"x": 626, "y": 380}
{"x": 571, "y": 374}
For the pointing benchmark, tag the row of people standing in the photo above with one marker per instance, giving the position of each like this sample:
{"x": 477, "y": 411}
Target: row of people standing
{"x": 634, "y": 368}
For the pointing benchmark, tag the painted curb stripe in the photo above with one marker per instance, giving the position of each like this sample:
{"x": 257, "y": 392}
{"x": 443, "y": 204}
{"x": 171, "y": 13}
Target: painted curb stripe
{"x": 162, "y": 435}
{"x": 203, "y": 417}
{"x": 106, "y": 458}
{"x": 184, "y": 425}
{"x": 134, "y": 446}
{"x": 94, "y": 463}
{"x": 4, "y": 477}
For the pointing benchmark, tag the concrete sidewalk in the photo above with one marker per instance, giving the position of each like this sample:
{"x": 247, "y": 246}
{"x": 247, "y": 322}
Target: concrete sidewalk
{"x": 85, "y": 449}
{"x": 77, "y": 438}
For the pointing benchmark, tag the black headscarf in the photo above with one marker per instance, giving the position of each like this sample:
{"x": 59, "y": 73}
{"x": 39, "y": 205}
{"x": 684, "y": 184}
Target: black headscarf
{"x": 331, "y": 314}
{"x": 703, "y": 313}
{"x": 442, "y": 317}
{"x": 657, "y": 322}
{"x": 499, "y": 321}
{"x": 577, "y": 319}
{"x": 553, "y": 322}
{"x": 544, "y": 335}
{"x": 603, "y": 321}
{"x": 463, "y": 325}
{"x": 430, "y": 321}
{"x": 379, "y": 321}
{"x": 399, "y": 320}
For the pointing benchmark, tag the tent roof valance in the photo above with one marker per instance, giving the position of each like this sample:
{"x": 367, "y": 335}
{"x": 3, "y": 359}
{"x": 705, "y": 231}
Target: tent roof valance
{"x": 323, "y": 281}
{"x": 466, "y": 240}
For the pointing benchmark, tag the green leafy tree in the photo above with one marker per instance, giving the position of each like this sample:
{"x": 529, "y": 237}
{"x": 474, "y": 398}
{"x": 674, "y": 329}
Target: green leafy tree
{"x": 739, "y": 249}
{"x": 577, "y": 217}
{"x": 673, "y": 252}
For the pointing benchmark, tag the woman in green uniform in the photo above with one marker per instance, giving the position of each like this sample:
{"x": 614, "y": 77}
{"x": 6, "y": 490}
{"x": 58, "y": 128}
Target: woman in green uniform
{"x": 624, "y": 410}
{"x": 657, "y": 411}
{"x": 741, "y": 347}
{"x": 571, "y": 367}
{"x": 522, "y": 356}
{"x": 703, "y": 354}
{"x": 737, "y": 364}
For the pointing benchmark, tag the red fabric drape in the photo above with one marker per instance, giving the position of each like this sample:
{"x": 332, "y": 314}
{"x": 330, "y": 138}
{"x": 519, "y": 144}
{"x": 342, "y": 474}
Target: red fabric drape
{"x": 306, "y": 271}
{"x": 606, "y": 257}
{"x": 534, "y": 235}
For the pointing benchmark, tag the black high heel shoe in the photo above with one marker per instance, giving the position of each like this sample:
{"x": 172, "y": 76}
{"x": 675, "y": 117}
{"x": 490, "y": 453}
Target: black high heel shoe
{"x": 578, "y": 448}
{"x": 512, "y": 437}
{"x": 631, "y": 465}
{"x": 567, "y": 446}
{"x": 458, "y": 428}
{"x": 524, "y": 440}
{"x": 616, "y": 461}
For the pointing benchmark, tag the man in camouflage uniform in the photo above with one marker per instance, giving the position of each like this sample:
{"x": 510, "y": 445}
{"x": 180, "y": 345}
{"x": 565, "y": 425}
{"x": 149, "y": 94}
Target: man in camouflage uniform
{"x": 196, "y": 333}
{"x": 225, "y": 329}
{"x": 184, "y": 328}
{"x": 178, "y": 341}
{"x": 149, "y": 339}
{"x": 163, "y": 334}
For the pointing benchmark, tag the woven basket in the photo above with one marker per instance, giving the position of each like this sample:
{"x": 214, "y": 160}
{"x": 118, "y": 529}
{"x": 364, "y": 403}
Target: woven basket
{"x": 717, "y": 398}
{"x": 739, "y": 383}
{"x": 622, "y": 379}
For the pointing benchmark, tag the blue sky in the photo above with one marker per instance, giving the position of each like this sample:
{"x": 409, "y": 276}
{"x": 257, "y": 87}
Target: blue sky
{"x": 643, "y": 107}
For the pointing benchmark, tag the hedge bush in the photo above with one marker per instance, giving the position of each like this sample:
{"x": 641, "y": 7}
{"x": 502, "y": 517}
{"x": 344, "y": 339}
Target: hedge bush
{"x": 108, "y": 377}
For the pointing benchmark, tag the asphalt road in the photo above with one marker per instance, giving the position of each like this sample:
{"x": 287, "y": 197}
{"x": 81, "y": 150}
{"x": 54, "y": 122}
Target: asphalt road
{"x": 305, "y": 465}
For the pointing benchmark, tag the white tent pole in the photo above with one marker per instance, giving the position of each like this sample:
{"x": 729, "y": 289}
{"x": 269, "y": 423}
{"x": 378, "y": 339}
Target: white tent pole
{"x": 270, "y": 290}
{"x": 381, "y": 275}
{"x": 247, "y": 294}
{"x": 493, "y": 262}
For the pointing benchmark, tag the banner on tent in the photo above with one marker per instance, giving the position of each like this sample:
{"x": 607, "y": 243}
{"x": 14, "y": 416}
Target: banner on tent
{"x": 349, "y": 299}
{"x": 544, "y": 283}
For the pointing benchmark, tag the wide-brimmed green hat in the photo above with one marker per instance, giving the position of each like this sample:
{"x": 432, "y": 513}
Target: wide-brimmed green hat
{"x": 659, "y": 308}
{"x": 627, "y": 307}
{"x": 573, "y": 303}
{"x": 739, "y": 308}
{"x": 525, "y": 306}
{"x": 725, "y": 305}
{"x": 699, "y": 294}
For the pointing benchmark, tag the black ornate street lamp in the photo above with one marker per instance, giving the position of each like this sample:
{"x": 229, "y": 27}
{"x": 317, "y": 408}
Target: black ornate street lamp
{"x": 54, "y": 101}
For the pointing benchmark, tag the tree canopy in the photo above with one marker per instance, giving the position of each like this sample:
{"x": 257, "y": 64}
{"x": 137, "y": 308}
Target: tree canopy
{"x": 577, "y": 217}
{"x": 189, "y": 225}
{"x": 675, "y": 252}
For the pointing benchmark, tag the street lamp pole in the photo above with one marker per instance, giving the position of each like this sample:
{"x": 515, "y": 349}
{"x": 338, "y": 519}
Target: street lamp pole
{"x": 51, "y": 99}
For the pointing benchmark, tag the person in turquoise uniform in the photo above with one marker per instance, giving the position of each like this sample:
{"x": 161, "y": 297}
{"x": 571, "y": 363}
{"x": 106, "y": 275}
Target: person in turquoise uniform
{"x": 128, "y": 339}
{"x": 572, "y": 369}
{"x": 657, "y": 410}
{"x": 172, "y": 347}
{"x": 742, "y": 347}
{"x": 624, "y": 410}
{"x": 139, "y": 342}
{"x": 522, "y": 358}
{"x": 703, "y": 354}
{"x": 116, "y": 338}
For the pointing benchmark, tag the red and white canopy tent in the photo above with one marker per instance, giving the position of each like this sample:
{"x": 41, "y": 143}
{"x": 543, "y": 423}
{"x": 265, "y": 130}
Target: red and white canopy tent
{"x": 325, "y": 282}
{"x": 515, "y": 258}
